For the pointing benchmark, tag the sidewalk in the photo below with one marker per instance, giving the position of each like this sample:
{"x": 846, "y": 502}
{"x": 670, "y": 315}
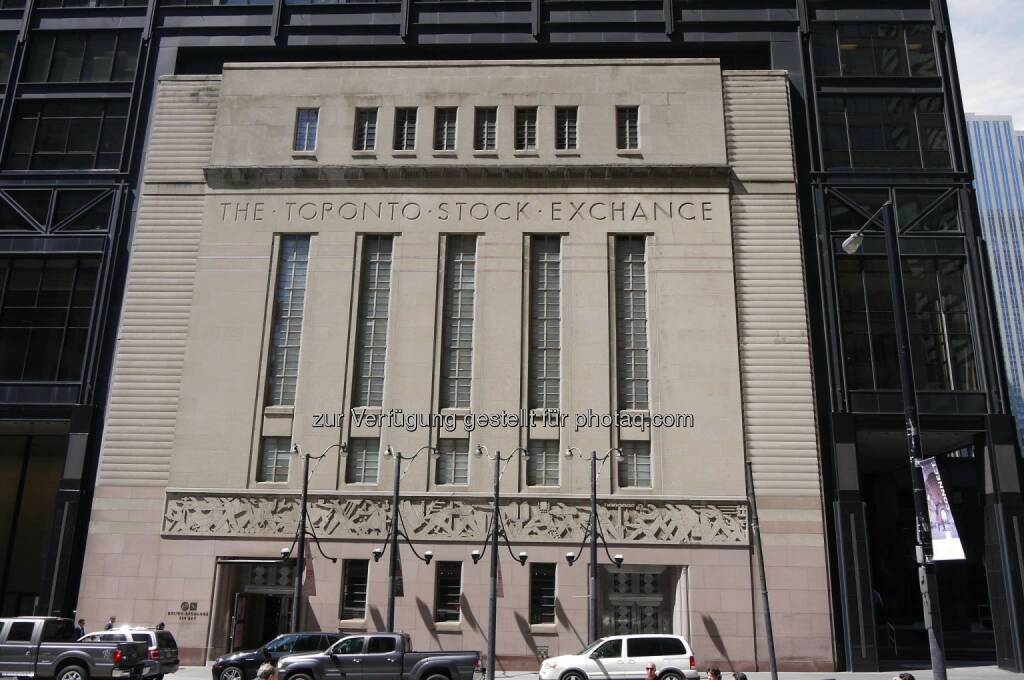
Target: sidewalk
{"x": 962, "y": 673}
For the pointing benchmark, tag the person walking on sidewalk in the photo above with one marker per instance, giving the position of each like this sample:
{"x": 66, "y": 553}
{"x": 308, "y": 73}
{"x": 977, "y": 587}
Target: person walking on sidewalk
{"x": 714, "y": 673}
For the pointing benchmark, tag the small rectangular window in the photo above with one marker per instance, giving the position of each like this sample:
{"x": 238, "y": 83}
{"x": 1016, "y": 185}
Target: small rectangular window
{"x": 365, "y": 133}
{"x": 286, "y": 331}
{"x": 363, "y": 459}
{"x": 565, "y": 127}
{"x": 545, "y": 291}
{"x": 635, "y": 465}
{"x": 627, "y": 127}
{"x": 445, "y": 126}
{"x": 542, "y": 465}
{"x": 542, "y": 593}
{"x": 448, "y": 593}
{"x": 275, "y": 454}
{"x": 526, "y": 128}
{"x": 485, "y": 128}
{"x": 353, "y": 589}
{"x": 452, "y": 461}
{"x": 405, "y": 129}
{"x": 306, "y": 121}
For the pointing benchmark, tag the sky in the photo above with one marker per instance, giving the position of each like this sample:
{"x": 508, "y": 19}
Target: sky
{"x": 987, "y": 35}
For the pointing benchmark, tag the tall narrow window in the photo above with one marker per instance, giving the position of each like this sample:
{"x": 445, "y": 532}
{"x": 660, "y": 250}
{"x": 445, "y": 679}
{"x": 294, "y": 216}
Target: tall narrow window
{"x": 448, "y": 593}
{"x": 457, "y": 333}
{"x": 526, "y": 128}
{"x": 565, "y": 127}
{"x": 405, "y": 129}
{"x": 445, "y": 119}
{"x": 274, "y": 457}
{"x": 627, "y": 127}
{"x": 485, "y": 128}
{"x": 635, "y": 465}
{"x": 545, "y": 321}
{"x": 353, "y": 590}
{"x": 452, "y": 461}
{"x": 306, "y": 121}
{"x": 362, "y": 461}
{"x": 365, "y": 133}
{"x": 542, "y": 593}
{"x": 286, "y": 332}
{"x": 631, "y": 321}
{"x": 372, "y": 328}
{"x": 542, "y": 465}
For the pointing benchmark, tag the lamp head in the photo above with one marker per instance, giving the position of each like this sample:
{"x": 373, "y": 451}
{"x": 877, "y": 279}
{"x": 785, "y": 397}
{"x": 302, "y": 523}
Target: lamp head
{"x": 428, "y": 555}
{"x": 475, "y": 555}
{"x": 479, "y": 449}
{"x": 389, "y": 451}
{"x": 285, "y": 552}
{"x": 377, "y": 552}
{"x": 568, "y": 453}
{"x": 853, "y": 243}
{"x": 618, "y": 560}
{"x": 522, "y": 558}
{"x": 570, "y": 557}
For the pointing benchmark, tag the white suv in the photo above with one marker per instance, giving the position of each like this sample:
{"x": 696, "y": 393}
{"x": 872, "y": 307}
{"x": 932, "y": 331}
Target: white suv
{"x": 625, "y": 657}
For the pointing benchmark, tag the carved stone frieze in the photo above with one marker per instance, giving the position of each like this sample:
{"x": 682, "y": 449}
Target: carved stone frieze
{"x": 426, "y": 518}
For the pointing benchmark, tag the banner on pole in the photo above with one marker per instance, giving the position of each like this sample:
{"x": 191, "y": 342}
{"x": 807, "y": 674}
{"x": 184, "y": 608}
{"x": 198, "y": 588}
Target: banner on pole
{"x": 501, "y": 585}
{"x": 399, "y": 580}
{"x": 945, "y": 539}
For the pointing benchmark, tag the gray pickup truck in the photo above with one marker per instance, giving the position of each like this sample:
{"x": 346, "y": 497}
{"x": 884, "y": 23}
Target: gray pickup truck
{"x": 45, "y": 647}
{"x": 378, "y": 656}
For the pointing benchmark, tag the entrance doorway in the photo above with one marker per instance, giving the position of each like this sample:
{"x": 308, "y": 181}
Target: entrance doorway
{"x": 253, "y": 605}
{"x": 963, "y": 589}
{"x": 641, "y": 599}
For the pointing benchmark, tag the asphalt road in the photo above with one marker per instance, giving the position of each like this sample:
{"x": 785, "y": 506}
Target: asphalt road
{"x": 963, "y": 673}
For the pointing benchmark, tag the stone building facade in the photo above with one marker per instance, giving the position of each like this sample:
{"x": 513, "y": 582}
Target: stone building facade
{"x": 462, "y": 259}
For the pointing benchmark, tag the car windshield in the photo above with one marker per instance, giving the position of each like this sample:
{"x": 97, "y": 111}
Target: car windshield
{"x": 589, "y": 648}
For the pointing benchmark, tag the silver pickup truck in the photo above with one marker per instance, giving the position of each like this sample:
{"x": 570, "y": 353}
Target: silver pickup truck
{"x": 378, "y": 656}
{"x": 45, "y": 647}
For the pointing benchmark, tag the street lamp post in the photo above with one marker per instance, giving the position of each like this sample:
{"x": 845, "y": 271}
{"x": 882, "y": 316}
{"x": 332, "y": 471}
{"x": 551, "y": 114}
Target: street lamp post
{"x": 300, "y": 557}
{"x": 394, "y": 531}
{"x": 593, "y": 534}
{"x": 925, "y": 567}
{"x": 496, "y": 529}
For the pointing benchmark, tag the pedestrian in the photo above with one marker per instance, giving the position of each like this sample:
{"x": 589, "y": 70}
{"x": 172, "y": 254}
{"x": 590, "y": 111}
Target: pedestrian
{"x": 160, "y": 626}
{"x": 110, "y": 623}
{"x": 267, "y": 670}
{"x": 80, "y": 629}
{"x": 714, "y": 674}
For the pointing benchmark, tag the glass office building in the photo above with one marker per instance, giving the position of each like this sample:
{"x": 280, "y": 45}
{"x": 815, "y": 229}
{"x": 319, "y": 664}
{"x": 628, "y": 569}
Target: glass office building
{"x": 998, "y": 153}
{"x": 876, "y": 116}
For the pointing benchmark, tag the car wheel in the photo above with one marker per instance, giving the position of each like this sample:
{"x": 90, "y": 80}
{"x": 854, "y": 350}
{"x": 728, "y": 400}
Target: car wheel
{"x": 299, "y": 676}
{"x": 232, "y": 673}
{"x": 671, "y": 675}
{"x": 574, "y": 675}
{"x": 437, "y": 676}
{"x": 73, "y": 673}
{"x": 158, "y": 677}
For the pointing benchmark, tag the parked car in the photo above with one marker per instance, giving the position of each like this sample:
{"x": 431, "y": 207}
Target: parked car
{"x": 621, "y": 657}
{"x": 162, "y": 648}
{"x": 379, "y": 655}
{"x": 243, "y": 665}
{"x": 45, "y": 647}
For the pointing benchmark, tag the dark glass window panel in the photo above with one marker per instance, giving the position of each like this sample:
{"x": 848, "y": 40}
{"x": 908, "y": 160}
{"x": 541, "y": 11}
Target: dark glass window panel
{"x": 448, "y": 592}
{"x": 885, "y": 132}
{"x": 826, "y": 51}
{"x": 842, "y": 217}
{"x": 63, "y": 135}
{"x": 82, "y": 134}
{"x": 45, "y": 316}
{"x": 921, "y": 50}
{"x": 68, "y": 58}
{"x": 70, "y": 202}
{"x": 126, "y": 58}
{"x": 37, "y": 68}
{"x": 7, "y": 41}
{"x": 911, "y": 203}
{"x": 36, "y": 202}
{"x": 10, "y": 220}
{"x": 96, "y": 218}
{"x": 99, "y": 57}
